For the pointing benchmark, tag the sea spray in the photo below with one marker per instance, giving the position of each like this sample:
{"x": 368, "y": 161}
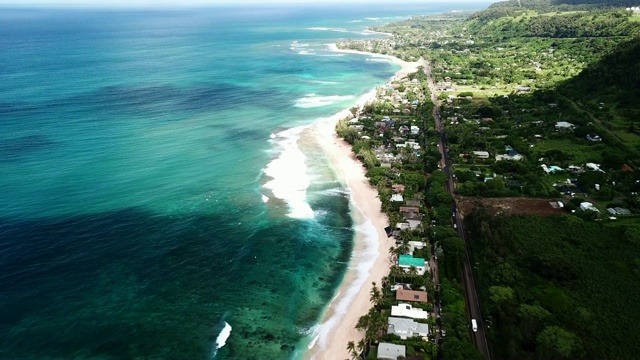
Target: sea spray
{"x": 222, "y": 338}
{"x": 288, "y": 173}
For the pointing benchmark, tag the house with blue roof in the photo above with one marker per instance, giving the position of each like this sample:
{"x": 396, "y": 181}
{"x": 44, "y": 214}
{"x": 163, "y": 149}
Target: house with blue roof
{"x": 406, "y": 262}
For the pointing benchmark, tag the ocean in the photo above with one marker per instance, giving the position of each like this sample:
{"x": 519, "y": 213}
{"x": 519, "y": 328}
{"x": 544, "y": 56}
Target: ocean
{"x": 156, "y": 202}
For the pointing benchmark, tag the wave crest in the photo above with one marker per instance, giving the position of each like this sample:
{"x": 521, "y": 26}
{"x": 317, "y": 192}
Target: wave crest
{"x": 313, "y": 100}
{"x": 288, "y": 173}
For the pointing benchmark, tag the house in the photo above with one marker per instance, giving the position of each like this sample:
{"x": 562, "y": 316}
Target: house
{"x": 414, "y": 130}
{"x": 397, "y": 197}
{"x": 523, "y": 88}
{"x": 408, "y": 261}
{"x": 389, "y": 351}
{"x": 594, "y": 167}
{"x": 406, "y": 310}
{"x": 563, "y": 125}
{"x": 356, "y": 127}
{"x": 411, "y": 295}
{"x": 406, "y": 328}
{"x": 414, "y": 223}
{"x": 413, "y": 203}
{"x": 410, "y": 144}
{"x": 551, "y": 169}
{"x": 618, "y": 211}
{"x": 398, "y": 188}
{"x": 594, "y": 137}
{"x": 584, "y": 206}
{"x": 510, "y": 155}
{"x": 413, "y": 245}
{"x": 481, "y": 154}
{"x": 409, "y": 209}
{"x": 412, "y": 216}
{"x": 403, "y": 226}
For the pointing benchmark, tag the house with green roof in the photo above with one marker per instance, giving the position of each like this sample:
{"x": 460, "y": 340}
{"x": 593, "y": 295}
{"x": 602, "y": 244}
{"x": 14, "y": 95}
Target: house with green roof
{"x": 408, "y": 261}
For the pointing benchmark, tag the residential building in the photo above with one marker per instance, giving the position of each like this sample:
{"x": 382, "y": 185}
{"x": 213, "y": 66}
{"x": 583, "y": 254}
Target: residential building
{"x": 389, "y": 351}
{"x": 481, "y": 154}
{"x": 563, "y": 125}
{"x": 406, "y": 310}
{"x": 411, "y": 295}
{"x": 408, "y": 261}
{"x": 407, "y": 328}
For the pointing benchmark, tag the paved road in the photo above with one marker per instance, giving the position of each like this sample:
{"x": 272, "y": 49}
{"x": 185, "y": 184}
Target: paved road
{"x": 473, "y": 305}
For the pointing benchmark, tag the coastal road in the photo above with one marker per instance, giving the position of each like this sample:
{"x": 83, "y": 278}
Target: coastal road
{"x": 473, "y": 304}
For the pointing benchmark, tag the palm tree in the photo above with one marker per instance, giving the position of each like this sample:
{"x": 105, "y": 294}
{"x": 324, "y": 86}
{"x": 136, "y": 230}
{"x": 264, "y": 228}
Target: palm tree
{"x": 362, "y": 346}
{"x": 351, "y": 347}
{"x": 376, "y": 295}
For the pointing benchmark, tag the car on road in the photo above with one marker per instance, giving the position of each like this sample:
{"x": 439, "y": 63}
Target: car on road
{"x": 474, "y": 325}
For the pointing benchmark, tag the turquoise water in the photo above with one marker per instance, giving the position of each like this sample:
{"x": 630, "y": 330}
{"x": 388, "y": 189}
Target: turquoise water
{"x": 154, "y": 191}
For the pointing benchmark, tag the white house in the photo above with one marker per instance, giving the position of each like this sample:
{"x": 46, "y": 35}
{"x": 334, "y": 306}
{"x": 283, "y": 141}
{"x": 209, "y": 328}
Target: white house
{"x": 587, "y": 206}
{"x": 563, "y": 125}
{"x": 594, "y": 167}
{"x": 407, "y": 328}
{"x": 406, "y": 310}
{"x": 397, "y": 197}
{"x": 389, "y": 351}
{"x": 414, "y": 130}
{"x": 413, "y": 224}
{"x": 413, "y": 245}
{"x": 406, "y": 262}
{"x": 481, "y": 154}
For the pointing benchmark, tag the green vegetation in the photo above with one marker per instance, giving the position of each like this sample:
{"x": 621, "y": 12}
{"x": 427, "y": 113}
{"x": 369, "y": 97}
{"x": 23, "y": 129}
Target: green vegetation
{"x": 558, "y": 287}
{"x": 538, "y": 98}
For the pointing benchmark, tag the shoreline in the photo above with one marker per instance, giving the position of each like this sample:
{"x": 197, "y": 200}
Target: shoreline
{"x": 369, "y": 261}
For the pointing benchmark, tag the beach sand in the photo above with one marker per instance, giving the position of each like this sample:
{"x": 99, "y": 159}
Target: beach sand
{"x": 370, "y": 259}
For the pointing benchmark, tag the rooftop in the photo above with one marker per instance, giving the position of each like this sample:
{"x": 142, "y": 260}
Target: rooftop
{"x": 411, "y": 295}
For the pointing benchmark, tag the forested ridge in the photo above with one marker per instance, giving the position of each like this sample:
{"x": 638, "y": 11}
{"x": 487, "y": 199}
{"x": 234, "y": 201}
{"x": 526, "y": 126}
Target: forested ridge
{"x": 558, "y": 287}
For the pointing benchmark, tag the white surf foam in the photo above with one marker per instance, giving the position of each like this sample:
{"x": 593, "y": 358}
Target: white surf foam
{"x": 323, "y": 82}
{"x": 378, "y": 60}
{"x": 334, "y": 192}
{"x": 289, "y": 174}
{"x": 224, "y": 335}
{"x": 328, "y": 29}
{"x": 363, "y": 261}
{"x": 313, "y": 100}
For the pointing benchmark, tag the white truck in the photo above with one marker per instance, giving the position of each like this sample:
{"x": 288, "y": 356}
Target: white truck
{"x": 474, "y": 325}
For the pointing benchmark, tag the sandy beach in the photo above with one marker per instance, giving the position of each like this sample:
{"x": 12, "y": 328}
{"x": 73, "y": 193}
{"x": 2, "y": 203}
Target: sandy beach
{"x": 370, "y": 259}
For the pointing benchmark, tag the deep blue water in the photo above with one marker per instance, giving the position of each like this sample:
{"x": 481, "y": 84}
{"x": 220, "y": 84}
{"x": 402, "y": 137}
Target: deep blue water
{"x": 144, "y": 202}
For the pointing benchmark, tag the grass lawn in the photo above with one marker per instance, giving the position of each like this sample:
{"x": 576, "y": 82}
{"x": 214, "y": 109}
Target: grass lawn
{"x": 581, "y": 153}
{"x": 628, "y": 137}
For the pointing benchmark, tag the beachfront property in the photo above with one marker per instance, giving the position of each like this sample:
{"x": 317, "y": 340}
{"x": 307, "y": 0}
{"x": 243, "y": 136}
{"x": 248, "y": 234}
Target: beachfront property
{"x": 415, "y": 245}
{"x": 411, "y": 295}
{"x": 406, "y": 328}
{"x": 406, "y": 262}
{"x": 397, "y": 197}
{"x": 407, "y": 310}
{"x": 391, "y": 351}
